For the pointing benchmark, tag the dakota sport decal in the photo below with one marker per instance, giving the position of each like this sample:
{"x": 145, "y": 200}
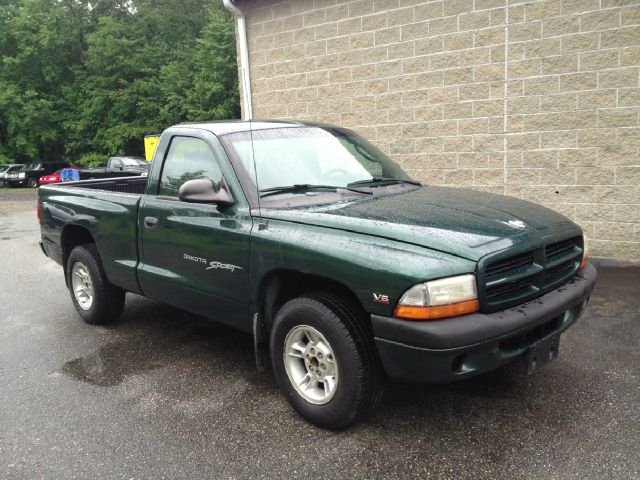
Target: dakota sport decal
{"x": 213, "y": 264}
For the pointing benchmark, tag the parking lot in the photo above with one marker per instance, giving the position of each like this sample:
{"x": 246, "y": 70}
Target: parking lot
{"x": 164, "y": 394}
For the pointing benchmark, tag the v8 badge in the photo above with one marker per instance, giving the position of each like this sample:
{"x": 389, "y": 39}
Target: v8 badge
{"x": 381, "y": 298}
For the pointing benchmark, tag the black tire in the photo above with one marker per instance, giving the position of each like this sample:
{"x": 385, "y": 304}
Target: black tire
{"x": 108, "y": 300}
{"x": 32, "y": 182}
{"x": 361, "y": 379}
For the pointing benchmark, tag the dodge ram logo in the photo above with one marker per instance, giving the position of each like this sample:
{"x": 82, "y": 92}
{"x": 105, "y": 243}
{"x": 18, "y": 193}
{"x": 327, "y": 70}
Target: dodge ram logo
{"x": 516, "y": 224}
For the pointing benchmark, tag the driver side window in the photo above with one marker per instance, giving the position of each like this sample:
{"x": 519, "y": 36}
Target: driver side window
{"x": 188, "y": 158}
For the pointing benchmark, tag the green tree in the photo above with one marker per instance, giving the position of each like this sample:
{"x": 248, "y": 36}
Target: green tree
{"x": 204, "y": 86}
{"x": 83, "y": 80}
{"x": 40, "y": 45}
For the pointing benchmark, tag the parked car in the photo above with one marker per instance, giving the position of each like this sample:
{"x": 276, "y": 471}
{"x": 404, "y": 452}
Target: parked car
{"x": 54, "y": 177}
{"x": 30, "y": 174}
{"x": 4, "y": 169}
{"x": 117, "y": 167}
{"x": 342, "y": 268}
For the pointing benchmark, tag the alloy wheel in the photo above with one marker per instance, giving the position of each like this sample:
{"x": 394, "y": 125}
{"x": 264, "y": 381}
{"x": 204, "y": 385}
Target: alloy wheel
{"x": 310, "y": 364}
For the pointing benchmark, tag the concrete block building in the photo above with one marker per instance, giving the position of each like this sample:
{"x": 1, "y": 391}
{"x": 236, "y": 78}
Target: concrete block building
{"x": 535, "y": 99}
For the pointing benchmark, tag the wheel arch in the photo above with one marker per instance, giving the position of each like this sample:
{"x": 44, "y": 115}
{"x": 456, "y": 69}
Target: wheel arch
{"x": 72, "y": 236}
{"x": 281, "y": 285}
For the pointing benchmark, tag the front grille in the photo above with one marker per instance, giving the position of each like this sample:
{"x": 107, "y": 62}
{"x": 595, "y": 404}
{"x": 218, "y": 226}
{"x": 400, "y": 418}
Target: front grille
{"x": 512, "y": 289}
{"x": 509, "y": 264}
{"x": 514, "y": 279}
{"x": 558, "y": 248}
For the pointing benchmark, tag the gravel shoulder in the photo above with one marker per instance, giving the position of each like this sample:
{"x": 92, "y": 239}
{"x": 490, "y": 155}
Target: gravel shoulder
{"x": 15, "y": 200}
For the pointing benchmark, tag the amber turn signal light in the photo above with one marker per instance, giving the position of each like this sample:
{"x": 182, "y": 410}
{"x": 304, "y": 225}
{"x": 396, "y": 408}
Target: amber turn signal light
{"x": 436, "y": 312}
{"x": 584, "y": 261}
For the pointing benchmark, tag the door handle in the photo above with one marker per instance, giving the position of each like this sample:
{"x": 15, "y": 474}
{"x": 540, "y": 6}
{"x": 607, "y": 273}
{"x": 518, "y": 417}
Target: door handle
{"x": 150, "y": 222}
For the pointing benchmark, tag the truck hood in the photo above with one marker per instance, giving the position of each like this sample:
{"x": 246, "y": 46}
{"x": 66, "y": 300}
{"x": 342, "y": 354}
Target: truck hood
{"x": 466, "y": 223}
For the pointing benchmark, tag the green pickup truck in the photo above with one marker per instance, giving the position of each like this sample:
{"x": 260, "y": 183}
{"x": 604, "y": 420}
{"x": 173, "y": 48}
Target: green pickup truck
{"x": 343, "y": 269}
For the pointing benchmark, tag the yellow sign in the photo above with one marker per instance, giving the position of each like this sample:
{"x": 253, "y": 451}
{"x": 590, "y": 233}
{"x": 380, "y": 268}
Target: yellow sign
{"x": 150, "y": 144}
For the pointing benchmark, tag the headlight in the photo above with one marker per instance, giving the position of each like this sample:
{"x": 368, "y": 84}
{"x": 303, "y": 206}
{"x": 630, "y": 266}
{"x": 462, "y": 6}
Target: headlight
{"x": 447, "y": 297}
{"x": 21, "y": 175}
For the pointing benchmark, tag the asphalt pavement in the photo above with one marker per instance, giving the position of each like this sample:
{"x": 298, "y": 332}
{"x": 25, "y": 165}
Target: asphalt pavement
{"x": 165, "y": 394}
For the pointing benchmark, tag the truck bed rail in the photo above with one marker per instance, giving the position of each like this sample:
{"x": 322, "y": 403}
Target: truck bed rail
{"x": 135, "y": 185}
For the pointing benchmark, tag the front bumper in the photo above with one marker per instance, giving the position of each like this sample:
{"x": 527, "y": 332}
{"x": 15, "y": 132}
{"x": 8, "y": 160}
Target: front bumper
{"x": 15, "y": 182}
{"x": 455, "y": 348}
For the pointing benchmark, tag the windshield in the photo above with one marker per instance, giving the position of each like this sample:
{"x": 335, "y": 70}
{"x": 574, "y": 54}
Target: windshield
{"x": 4, "y": 168}
{"x": 310, "y": 155}
{"x": 134, "y": 162}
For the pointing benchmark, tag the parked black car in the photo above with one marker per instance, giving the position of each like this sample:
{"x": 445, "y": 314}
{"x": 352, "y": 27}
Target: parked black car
{"x": 117, "y": 167}
{"x": 30, "y": 174}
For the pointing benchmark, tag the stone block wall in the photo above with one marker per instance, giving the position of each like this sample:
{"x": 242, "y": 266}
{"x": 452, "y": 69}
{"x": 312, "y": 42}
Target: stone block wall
{"x": 535, "y": 99}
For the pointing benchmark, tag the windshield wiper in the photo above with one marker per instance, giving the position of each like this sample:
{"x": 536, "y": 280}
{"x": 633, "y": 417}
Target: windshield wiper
{"x": 384, "y": 180}
{"x": 304, "y": 187}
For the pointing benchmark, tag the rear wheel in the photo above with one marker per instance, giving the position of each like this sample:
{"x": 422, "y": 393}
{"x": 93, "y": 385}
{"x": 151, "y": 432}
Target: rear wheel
{"x": 325, "y": 361}
{"x": 96, "y": 300}
{"x": 32, "y": 182}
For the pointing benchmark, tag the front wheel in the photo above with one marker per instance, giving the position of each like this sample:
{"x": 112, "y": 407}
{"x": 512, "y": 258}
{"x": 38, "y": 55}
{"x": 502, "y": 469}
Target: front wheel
{"x": 96, "y": 300}
{"x": 324, "y": 360}
{"x": 32, "y": 182}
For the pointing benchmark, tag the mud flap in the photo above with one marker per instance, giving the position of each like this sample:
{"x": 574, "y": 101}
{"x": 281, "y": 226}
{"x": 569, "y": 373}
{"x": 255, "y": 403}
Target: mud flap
{"x": 261, "y": 343}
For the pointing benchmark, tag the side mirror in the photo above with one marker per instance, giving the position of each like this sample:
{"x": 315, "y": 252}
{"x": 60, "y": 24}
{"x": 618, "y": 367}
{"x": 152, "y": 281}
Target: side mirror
{"x": 204, "y": 190}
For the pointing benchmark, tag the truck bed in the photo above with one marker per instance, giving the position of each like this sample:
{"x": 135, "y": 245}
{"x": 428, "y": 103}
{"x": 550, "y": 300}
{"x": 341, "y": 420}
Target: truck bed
{"x": 135, "y": 185}
{"x": 108, "y": 209}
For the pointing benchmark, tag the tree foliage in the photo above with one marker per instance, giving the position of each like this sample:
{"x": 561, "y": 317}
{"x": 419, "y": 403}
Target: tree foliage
{"x": 83, "y": 80}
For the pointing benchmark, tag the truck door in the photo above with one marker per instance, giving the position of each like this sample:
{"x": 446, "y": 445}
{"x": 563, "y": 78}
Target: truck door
{"x": 195, "y": 256}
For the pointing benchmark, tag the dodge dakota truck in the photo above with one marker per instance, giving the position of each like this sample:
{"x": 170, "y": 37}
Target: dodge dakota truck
{"x": 343, "y": 269}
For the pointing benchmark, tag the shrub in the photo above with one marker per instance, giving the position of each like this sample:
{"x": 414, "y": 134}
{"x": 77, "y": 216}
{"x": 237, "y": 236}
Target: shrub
{"x": 92, "y": 160}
